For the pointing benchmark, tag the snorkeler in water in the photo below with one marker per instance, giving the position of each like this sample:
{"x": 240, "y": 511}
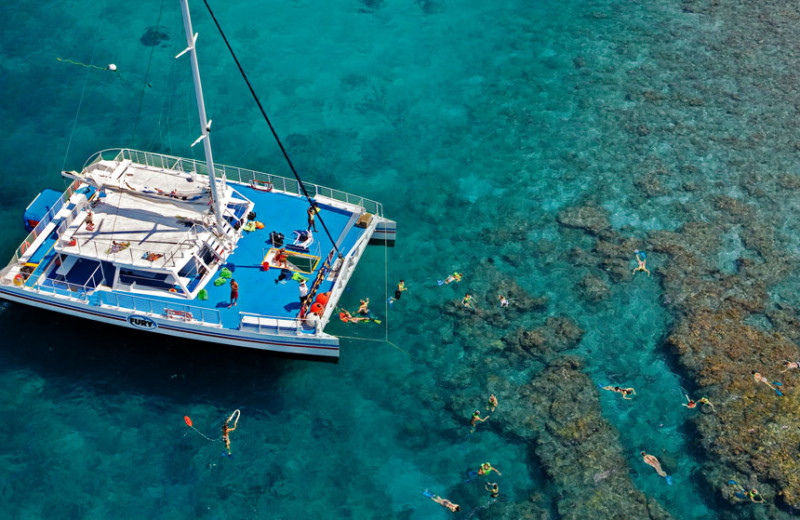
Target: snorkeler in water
{"x": 455, "y": 508}
{"x": 619, "y": 390}
{"x": 487, "y": 468}
{"x": 704, "y": 400}
{"x": 743, "y": 493}
{"x": 455, "y": 277}
{"x": 492, "y": 488}
{"x": 476, "y": 418}
{"x": 363, "y": 308}
{"x": 641, "y": 259}
{"x": 693, "y": 404}
{"x": 761, "y": 379}
{"x": 651, "y": 460}
{"x": 492, "y": 403}
{"x": 789, "y": 365}
{"x": 467, "y": 301}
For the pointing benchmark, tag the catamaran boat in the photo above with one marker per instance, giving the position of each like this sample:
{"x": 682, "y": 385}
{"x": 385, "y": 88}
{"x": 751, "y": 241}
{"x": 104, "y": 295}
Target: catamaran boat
{"x": 160, "y": 243}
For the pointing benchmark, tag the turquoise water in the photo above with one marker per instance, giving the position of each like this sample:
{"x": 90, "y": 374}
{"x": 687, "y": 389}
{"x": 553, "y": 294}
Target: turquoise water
{"x": 474, "y": 123}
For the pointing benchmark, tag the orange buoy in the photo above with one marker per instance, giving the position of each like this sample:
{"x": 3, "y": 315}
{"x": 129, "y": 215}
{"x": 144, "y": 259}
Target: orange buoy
{"x": 322, "y": 298}
{"x": 316, "y": 308}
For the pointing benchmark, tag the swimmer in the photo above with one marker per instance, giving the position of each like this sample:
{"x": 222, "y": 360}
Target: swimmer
{"x": 476, "y": 418}
{"x": 761, "y": 379}
{"x": 704, "y": 400}
{"x": 346, "y": 317}
{"x": 446, "y": 503}
{"x": 641, "y": 259}
{"x": 624, "y": 391}
{"x": 492, "y": 403}
{"x": 455, "y": 277}
{"x": 467, "y": 301}
{"x": 789, "y": 365}
{"x": 743, "y": 493}
{"x": 226, "y": 431}
{"x": 401, "y": 287}
{"x": 503, "y": 301}
{"x": 487, "y": 468}
{"x": 363, "y": 309}
{"x": 492, "y": 488}
{"x": 755, "y": 496}
{"x": 650, "y": 460}
{"x": 690, "y": 404}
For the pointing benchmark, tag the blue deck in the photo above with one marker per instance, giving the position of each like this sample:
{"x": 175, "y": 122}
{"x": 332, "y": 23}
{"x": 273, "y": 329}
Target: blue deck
{"x": 258, "y": 292}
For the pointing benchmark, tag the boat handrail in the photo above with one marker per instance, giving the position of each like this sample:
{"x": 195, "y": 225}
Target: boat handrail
{"x": 237, "y": 174}
{"x": 46, "y": 219}
{"x": 172, "y": 310}
{"x": 60, "y": 288}
{"x": 264, "y": 323}
{"x": 166, "y": 261}
{"x": 345, "y": 270}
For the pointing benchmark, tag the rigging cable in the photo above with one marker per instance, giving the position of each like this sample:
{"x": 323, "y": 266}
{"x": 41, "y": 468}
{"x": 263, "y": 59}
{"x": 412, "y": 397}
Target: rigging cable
{"x": 80, "y": 104}
{"x": 146, "y": 77}
{"x": 266, "y": 118}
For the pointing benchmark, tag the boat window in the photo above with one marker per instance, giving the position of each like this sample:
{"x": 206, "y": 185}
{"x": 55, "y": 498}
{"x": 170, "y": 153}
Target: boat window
{"x": 146, "y": 278}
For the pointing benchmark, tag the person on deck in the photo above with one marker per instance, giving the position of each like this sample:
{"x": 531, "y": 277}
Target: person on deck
{"x": 312, "y": 211}
{"x": 303, "y": 292}
{"x": 234, "y": 293}
{"x": 281, "y": 258}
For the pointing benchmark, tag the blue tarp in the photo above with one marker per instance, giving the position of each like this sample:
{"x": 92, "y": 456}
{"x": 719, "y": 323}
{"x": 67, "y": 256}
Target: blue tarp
{"x": 37, "y": 209}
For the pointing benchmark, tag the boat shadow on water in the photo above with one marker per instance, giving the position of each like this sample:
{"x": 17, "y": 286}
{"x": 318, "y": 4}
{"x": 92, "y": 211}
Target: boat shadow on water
{"x": 108, "y": 360}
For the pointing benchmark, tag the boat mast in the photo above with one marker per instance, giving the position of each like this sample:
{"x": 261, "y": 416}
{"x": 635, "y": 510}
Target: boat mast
{"x": 205, "y": 126}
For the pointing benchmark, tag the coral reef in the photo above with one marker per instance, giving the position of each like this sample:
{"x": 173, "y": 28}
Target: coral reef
{"x": 727, "y": 327}
{"x": 559, "y": 413}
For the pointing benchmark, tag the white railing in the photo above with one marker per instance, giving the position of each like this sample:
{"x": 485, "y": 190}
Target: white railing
{"x": 264, "y": 324}
{"x": 345, "y": 270}
{"x": 48, "y": 217}
{"x": 241, "y": 175}
{"x": 123, "y": 252}
{"x": 170, "y": 310}
{"x": 71, "y": 290}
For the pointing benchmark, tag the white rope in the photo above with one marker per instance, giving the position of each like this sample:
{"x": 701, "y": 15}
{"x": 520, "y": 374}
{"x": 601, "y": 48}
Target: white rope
{"x": 80, "y": 103}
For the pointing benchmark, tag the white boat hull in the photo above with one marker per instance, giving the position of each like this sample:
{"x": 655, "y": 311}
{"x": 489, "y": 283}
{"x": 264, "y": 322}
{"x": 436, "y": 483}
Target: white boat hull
{"x": 324, "y": 347}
